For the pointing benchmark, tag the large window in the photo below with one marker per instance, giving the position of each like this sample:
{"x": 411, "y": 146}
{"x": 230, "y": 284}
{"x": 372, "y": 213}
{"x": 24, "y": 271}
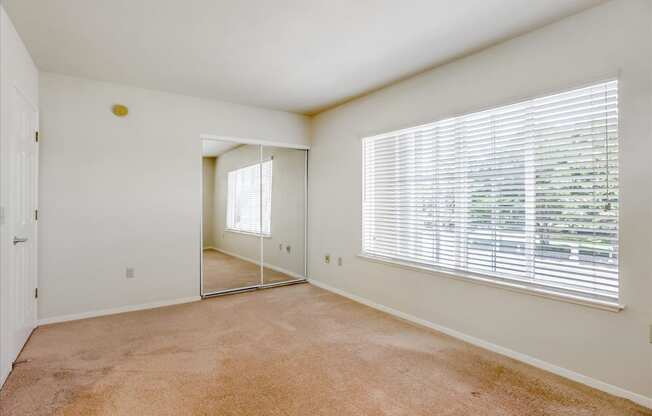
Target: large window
{"x": 524, "y": 195}
{"x": 244, "y": 212}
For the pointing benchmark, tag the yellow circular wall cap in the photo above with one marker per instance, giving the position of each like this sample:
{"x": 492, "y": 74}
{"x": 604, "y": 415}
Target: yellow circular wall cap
{"x": 120, "y": 110}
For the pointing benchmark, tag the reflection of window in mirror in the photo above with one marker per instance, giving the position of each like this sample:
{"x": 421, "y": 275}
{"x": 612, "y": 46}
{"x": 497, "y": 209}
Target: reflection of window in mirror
{"x": 243, "y": 213}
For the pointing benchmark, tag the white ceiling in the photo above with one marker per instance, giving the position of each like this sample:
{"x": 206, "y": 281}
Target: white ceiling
{"x": 295, "y": 55}
{"x": 213, "y": 148}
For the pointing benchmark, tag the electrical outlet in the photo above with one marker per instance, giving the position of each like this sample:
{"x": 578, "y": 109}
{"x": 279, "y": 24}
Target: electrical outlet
{"x": 339, "y": 261}
{"x": 288, "y": 248}
{"x": 280, "y": 247}
{"x": 130, "y": 273}
{"x": 327, "y": 258}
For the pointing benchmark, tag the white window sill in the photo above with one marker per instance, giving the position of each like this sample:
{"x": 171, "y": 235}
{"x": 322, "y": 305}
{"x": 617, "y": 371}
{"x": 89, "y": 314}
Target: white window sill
{"x": 230, "y": 230}
{"x": 488, "y": 281}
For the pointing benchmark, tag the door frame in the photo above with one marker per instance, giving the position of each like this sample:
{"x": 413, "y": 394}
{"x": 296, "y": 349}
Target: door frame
{"x": 256, "y": 142}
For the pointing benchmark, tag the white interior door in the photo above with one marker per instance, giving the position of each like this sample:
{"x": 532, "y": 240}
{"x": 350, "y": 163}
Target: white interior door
{"x": 23, "y": 174}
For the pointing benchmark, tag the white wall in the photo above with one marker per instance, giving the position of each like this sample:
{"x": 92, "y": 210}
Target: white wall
{"x": 125, "y": 192}
{"x": 208, "y": 197}
{"x": 614, "y": 39}
{"x": 288, "y": 208}
{"x": 17, "y": 70}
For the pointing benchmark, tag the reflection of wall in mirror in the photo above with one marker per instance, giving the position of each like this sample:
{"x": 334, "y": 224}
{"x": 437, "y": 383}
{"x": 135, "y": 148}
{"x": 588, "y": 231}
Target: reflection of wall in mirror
{"x": 208, "y": 196}
{"x": 288, "y": 206}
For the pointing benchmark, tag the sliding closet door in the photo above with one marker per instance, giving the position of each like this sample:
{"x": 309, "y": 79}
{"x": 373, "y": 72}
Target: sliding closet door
{"x": 232, "y": 217}
{"x": 283, "y": 214}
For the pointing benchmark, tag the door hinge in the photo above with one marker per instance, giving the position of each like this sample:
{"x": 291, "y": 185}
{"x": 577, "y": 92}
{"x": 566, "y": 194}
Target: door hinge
{"x": 36, "y": 215}
{"x": 36, "y": 136}
{"x": 36, "y": 293}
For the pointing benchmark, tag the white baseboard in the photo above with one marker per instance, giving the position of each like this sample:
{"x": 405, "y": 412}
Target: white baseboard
{"x": 113, "y": 311}
{"x": 257, "y": 262}
{"x": 580, "y": 378}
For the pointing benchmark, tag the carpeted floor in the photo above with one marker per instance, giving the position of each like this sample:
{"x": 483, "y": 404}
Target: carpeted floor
{"x": 294, "y": 350}
{"x": 222, "y": 272}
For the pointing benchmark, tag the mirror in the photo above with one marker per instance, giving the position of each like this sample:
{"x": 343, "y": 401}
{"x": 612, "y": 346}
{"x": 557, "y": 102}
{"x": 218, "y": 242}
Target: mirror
{"x": 231, "y": 217}
{"x": 253, "y": 216}
{"x": 284, "y": 215}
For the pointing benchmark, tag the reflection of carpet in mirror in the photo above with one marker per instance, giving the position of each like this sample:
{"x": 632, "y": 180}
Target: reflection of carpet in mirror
{"x": 222, "y": 272}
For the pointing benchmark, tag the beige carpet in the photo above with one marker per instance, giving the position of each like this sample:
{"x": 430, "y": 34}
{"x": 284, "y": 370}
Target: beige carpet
{"x": 222, "y": 272}
{"x": 294, "y": 350}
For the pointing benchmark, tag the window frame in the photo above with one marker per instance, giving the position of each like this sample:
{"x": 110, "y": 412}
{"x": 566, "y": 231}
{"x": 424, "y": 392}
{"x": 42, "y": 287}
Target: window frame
{"x": 486, "y": 279}
{"x": 260, "y": 234}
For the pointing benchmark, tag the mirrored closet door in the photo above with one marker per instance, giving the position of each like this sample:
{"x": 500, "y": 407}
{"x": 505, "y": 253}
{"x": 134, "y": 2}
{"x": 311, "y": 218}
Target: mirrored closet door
{"x": 284, "y": 214}
{"x": 253, "y": 216}
{"x": 231, "y": 216}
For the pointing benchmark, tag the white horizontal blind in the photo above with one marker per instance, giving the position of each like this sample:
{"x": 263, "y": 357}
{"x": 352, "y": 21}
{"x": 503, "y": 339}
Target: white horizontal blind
{"x": 525, "y": 194}
{"x": 243, "y": 211}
